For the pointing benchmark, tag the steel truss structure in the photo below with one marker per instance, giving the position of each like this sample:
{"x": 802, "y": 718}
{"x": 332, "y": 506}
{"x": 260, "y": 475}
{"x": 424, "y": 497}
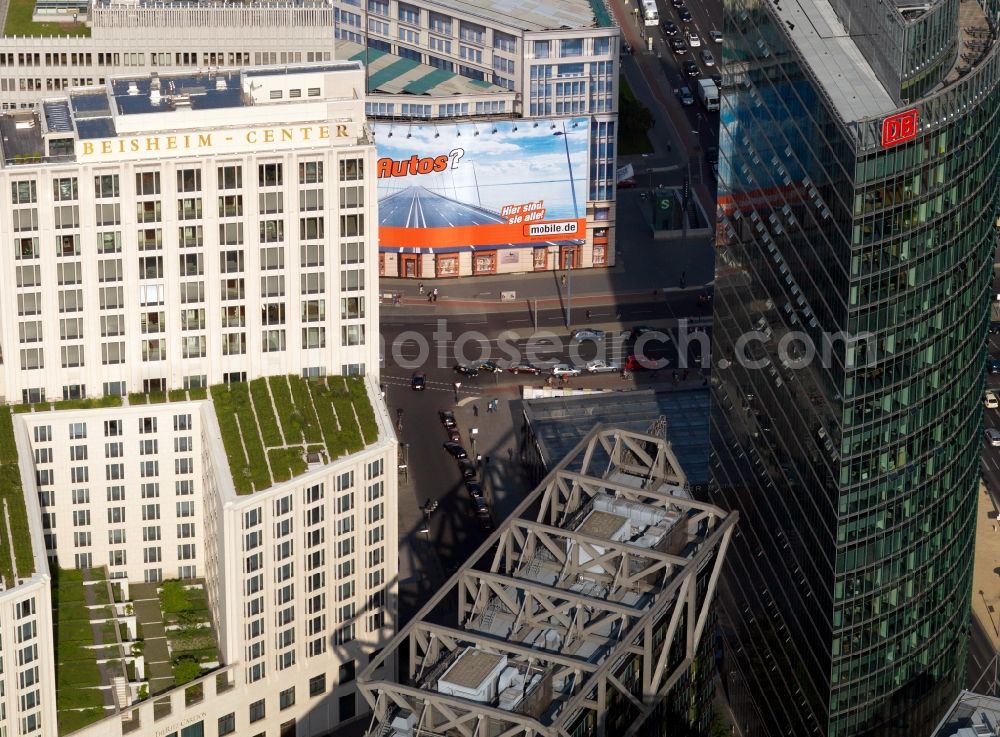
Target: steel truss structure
{"x": 591, "y": 597}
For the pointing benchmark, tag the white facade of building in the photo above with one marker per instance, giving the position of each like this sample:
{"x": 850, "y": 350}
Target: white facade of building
{"x": 514, "y": 60}
{"x": 171, "y": 240}
{"x": 301, "y": 578}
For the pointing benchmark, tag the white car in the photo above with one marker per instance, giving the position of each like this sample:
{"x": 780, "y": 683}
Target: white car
{"x": 693, "y": 40}
{"x": 564, "y": 369}
{"x": 601, "y": 367}
{"x": 993, "y": 436}
{"x": 588, "y": 334}
{"x": 991, "y": 401}
{"x": 716, "y": 36}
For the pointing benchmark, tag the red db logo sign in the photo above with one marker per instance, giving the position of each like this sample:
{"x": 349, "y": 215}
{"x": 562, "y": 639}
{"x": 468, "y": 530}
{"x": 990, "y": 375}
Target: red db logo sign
{"x": 899, "y": 128}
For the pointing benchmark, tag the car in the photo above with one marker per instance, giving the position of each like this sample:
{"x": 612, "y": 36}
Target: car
{"x": 993, "y": 436}
{"x": 690, "y": 68}
{"x": 677, "y": 3}
{"x": 525, "y": 368}
{"x": 455, "y": 450}
{"x": 706, "y": 58}
{"x": 474, "y": 489}
{"x": 991, "y": 401}
{"x": 717, "y": 78}
{"x": 564, "y": 369}
{"x": 678, "y": 46}
{"x": 639, "y": 330}
{"x": 588, "y": 334}
{"x": 418, "y": 382}
{"x": 712, "y": 154}
{"x": 684, "y": 14}
{"x": 454, "y": 435}
{"x": 485, "y": 521}
{"x": 669, "y": 28}
{"x": 995, "y": 326}
{"x": 994, "y": 366}
{"x": 490, "y": 366}
{"x": 685, "y": 96}
{"x": 482, "y": 512}
{"x": 466, "y": 369}
{"x": 692, "y": 39}
{"x": 467, "y": 468}
{"x": 635, "y": 363}
{"x": 602, "y": 367}
{"x": 447, "y": 418}
{"x": 715, "y": 35}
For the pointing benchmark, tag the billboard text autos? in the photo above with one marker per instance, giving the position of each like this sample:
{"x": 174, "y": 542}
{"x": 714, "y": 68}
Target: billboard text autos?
{"x": 470, "y": 186}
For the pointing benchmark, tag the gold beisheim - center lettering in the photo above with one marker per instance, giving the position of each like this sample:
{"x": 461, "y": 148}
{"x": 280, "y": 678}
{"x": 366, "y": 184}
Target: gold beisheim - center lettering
{"x": 198, "y": 141}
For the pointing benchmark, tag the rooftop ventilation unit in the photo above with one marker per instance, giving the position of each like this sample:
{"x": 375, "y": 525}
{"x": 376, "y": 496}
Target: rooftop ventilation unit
{"x": 220, "y": 83}
{"x": 133, "y": 88}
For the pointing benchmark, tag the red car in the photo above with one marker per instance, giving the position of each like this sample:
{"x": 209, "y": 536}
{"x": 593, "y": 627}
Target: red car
{"x": 525, "y": 368}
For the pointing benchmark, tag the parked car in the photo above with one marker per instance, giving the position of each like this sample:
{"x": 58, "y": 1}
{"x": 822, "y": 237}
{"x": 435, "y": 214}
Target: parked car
{"x": 467, "y": 468}
{"x": 685, "y": 96}
{"x": 717, "y": 78}
{"x": 706, "y": 58}
{"x": 454, "y": 435}
{"x": 690, "y": 69}
{"x": 525, "y": 368}
{"x": 418, "y": 382}
{"x": 993, "y": 436}
{"x": 601, "y": 367}
{"x": 482, "y": 512}
{"x": 678, "y": 46}
{"x": 588, "y": 334}
{"x": 716, "y": 36}
{"x": 669, "y": 28}
{"x": 677, "y": 3}
{"x": 474, "y": 489}
{"x": 455, "y": 450}
{"x": 991, "y": 401}
{"x": 447, "y": 418}
{"x": 693, "y": 40}
{"x": 995, "y": 327}
{"x": 684, "y": 14}
{"x": 466, "y": 370}
{"x": 490, "y": 366}
{"x": 994, "y": 365}
{"x": 564, "y": 369}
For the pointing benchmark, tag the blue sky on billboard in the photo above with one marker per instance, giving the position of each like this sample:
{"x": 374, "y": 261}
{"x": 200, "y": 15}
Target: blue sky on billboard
{"x": 523, "y": 161}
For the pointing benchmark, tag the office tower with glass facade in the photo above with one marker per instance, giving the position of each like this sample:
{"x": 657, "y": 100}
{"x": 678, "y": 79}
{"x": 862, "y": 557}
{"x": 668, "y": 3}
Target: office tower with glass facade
{"x": 858, "y": 201}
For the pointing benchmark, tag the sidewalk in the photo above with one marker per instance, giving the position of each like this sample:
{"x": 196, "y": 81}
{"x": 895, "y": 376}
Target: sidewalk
{"x": 986, "y": 573}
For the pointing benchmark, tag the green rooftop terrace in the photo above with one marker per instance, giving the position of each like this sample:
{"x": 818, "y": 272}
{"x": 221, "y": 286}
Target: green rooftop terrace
{"x": 19, "y": 23}
{"x": 16, "y": 556}
{"x": 269, "y": 425}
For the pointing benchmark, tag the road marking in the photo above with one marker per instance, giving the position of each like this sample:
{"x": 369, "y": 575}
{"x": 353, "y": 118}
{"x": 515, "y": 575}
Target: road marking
{"x": 518, "y": 321}
{"x": 474, "y": 322}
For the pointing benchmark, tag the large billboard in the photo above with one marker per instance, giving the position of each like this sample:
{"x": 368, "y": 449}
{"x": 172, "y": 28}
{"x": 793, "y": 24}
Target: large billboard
{"x": 482, "y": 184}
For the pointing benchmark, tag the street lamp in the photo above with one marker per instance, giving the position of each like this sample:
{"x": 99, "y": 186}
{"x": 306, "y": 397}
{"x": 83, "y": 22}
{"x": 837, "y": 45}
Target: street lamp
{"x": 472, "y": 439}
{"x": 458, "y": 385}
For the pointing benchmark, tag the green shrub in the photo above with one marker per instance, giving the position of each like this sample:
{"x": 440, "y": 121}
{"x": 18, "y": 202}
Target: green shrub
{"x": 173, "y": 597}
{"x": 157, "y": 397}
{"x": 266, "y": 421}
{"x": 137, "y": 398}
{"x": 310, "y": 422}
{"x": 177, "y": 395}
{"x": 290, "y": 417}
{"x": 225, "y": 413}
{"x": 185, "y": 670}
{"x": 199, "y": 393}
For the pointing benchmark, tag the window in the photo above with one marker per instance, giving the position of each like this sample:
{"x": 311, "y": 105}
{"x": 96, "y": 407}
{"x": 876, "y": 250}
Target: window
{"x": 570, "y": 47}
{"x": 257, "y": 711}
{"x": 346, "y": 674}
{"x": 287, "y": 698}
{"x": 440, "y": 24}
{"x": 317, "y": 685}
{"x": 271, "y": 202}
{"x": 352, "y": 335}
{"x": 504, "y": 42}
{"x": 352, "y": 280}
{"x": 348, "y": 707}
{"x": 64, "y": 190}
{"x": 147, "y": 183}
{"x": 272, "y": 258}
{"x": 471, "y": 32}
{"x": 311, "y": 199}
{"x": 269, "y": 175}
{"x": 352, "y": 170}
{"x": 314, "y": 337}
{"x": 23, "y": 193}
{"x": 230, "y": 177}
{"x": 311, "y": 172}
{"x": 312, "y": 254}
{"x": 189, "y": 180}
{"x": 227, "y": 724}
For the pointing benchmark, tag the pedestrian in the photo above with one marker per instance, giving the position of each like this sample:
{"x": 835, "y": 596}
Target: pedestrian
{"x": 510, "y": 454}
{"x": 562, "y": 280}
{"x": 420, "y": 287}
{"x": 683, "y": 279}
{"x": 435, "y": 293}
{"x": 588, "y": 314}
{"x": 430, "y": 297}
{"x": 475, "y": 410}
{"x": 674, "y": 377}
{"x": 704, "y": 373}
{"x": 496, "y": 403}
{"x": 395, "y": 298}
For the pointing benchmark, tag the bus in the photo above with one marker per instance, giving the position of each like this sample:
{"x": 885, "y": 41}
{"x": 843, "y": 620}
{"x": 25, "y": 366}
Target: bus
{"x": 651, "y": 14}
